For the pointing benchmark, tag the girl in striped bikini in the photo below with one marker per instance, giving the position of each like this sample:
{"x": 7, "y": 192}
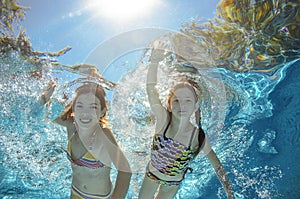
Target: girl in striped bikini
{"x": 92, "y": 147}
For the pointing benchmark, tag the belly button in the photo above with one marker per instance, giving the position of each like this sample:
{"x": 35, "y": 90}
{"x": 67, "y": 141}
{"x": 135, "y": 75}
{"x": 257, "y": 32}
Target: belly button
{"x": 84, "y": 186}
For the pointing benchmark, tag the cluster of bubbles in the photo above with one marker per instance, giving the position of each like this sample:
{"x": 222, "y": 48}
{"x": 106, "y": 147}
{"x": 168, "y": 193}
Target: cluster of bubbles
{"x": 31, "y": 149}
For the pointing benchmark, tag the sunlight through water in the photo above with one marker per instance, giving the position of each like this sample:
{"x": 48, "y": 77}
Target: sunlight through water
{"x": 121, "y": 11}
{"x": 238, "y": 60}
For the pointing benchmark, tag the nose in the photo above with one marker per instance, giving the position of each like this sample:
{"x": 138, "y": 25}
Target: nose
{"x": 84, "y": 114}
{"x": 182, "y": 105}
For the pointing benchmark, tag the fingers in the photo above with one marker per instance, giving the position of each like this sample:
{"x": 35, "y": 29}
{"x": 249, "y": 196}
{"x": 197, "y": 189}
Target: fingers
{"x": 51, "y": 84}
{"x": 159, "y": 51}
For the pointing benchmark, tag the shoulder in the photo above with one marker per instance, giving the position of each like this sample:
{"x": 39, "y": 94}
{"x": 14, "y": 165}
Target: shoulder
{"x": 70, "y": 123}
{"x": 200, "y": 140}
{"x": 109, "y": 134}
{"x": 206, "y": 148}
{"x": 162, "y": 121}
{"x": 71, "y": 129}
{"x": 67, "y": 123}
{"x": 159, "y": 110}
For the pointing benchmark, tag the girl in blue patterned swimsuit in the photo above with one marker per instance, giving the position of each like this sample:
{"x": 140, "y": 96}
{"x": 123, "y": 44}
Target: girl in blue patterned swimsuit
{"x": 176, "y": 140}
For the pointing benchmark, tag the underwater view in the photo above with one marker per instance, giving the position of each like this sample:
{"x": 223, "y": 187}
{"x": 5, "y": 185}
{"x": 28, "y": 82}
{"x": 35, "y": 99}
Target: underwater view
{"x": 243, "y": 55}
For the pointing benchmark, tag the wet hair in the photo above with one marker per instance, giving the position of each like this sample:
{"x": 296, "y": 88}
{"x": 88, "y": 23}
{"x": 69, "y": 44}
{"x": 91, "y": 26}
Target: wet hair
{"x": 178, "y": 86}
{"x": 87, "y": 87}
{"x": 196, "y": 91}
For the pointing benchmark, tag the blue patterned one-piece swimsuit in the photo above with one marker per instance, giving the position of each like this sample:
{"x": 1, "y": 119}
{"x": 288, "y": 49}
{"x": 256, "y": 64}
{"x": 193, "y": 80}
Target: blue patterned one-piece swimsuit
{"x": 169, "y": 156}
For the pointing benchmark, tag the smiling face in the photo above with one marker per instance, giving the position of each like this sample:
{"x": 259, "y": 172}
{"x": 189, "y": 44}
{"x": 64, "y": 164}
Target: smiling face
{"x": 183, "y": 102}
{"x": 87, "y": 110}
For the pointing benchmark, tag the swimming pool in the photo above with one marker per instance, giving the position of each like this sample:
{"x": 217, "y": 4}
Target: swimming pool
{"x": 252, "y": 119}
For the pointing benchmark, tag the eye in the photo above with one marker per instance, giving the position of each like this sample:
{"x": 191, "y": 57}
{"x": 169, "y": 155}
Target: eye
{"x": 175, "y": 101}
{"x": 94, "y": 107}
{"x": 78, "y": 106}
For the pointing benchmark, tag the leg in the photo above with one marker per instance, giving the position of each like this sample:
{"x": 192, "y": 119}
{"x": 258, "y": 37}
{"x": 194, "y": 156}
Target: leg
{"x": 167, "y": 191}
{"x": 148, "y": 188}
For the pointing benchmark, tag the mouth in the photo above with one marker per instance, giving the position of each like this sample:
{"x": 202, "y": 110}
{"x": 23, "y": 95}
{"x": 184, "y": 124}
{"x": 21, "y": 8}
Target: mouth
{"x": 182, "y": 112}
{"x": 85, "y": 121}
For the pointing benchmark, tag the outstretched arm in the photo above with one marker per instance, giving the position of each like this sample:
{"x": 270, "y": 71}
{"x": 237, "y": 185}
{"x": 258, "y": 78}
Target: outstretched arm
{"x": 122, "y": 185}
{"x": 123, "y": 177}
{"x": 221, "y": 173}
{"x": 122, "y": 165}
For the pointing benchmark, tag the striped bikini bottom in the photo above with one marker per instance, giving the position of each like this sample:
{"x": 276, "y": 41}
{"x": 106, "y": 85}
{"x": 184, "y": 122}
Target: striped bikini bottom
{"x": 83, "y": 195}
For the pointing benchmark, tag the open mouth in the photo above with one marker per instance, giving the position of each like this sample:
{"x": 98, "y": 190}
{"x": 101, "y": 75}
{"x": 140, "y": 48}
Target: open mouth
{"x": 85, "y": 121}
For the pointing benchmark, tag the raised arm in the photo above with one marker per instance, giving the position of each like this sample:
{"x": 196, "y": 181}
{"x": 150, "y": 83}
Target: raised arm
{"x": 221, "y": 173}
{"x": 153, "y": 95}
{"x": 47, "y": 93}
{"x": 157, "y": 109}
{"x": 45, "y": 99}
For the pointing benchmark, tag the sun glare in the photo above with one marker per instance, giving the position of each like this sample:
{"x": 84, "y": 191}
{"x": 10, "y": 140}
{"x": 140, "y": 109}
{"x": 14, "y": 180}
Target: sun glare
{"x": 122, "y": 10}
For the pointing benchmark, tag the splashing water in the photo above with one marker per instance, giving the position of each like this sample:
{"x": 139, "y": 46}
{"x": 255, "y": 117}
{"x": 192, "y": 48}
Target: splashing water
{"x": 30, "y": 147}
{"x": 33, "y": 163}
{"x": 33, "y": 148}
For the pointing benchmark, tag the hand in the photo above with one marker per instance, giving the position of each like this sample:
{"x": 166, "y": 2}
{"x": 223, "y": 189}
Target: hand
{"x": 186, "y": 69}
{"x": 159, "y": 51}
{"x": 45, "y": 98}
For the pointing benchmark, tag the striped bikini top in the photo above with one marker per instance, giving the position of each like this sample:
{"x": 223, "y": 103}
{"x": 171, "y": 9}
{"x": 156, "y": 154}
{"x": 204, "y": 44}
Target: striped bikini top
{"x": 169, "y": 156}
{"x": 87, "y": 160}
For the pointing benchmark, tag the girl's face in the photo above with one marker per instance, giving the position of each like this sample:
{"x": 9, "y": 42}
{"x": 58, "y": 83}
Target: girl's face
{"x": 183, "y": 103}
{"x": 87, "y": 110}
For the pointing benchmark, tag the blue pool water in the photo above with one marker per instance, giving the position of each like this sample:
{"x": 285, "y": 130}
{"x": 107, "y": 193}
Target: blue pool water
{"x": 260, "y": 153}
{"x": 252, "y": 120}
